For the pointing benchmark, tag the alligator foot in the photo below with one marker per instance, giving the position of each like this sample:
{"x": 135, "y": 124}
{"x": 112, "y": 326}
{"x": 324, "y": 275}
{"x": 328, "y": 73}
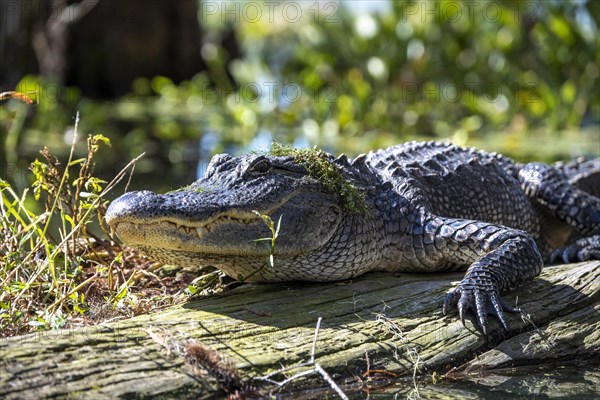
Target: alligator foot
{"x": 584, "y": 249}
{"x": 481, "y": 302}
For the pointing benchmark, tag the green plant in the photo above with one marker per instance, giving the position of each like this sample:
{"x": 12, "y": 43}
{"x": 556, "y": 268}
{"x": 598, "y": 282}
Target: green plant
{"x": 270, "y": 262}
{"x": 43, "y": 256}
{"x": 274, "y": 229}
{"x": 319, "y": 165}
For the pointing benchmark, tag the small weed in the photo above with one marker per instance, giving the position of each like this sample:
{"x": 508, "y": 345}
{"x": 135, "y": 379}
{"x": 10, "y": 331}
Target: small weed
{"x": 274, "y": 234}
{"x": 270, "y": 260}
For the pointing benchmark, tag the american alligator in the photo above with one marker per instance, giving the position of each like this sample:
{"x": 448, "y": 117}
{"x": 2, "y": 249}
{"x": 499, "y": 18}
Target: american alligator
{"x": 416, "y": 207}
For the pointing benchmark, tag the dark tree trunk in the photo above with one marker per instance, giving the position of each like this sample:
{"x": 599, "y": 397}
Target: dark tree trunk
{"x": 101, "y": 46}
{"x": 118, "y": 41}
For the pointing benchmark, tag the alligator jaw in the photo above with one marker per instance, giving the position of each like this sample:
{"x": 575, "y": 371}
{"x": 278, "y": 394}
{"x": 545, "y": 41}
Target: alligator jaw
{"x": 199, "y": 229}
{"x": 183, "y": 236}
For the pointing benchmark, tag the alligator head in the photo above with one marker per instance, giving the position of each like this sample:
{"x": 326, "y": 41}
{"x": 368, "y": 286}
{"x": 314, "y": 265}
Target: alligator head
{"x": 214, "y": 221}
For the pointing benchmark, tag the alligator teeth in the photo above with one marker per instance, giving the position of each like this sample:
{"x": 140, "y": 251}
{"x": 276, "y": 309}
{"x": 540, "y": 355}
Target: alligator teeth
{"x": 200, "y": 231}
{"x": 187, "y": 229}
{"x": 165, "y": 225}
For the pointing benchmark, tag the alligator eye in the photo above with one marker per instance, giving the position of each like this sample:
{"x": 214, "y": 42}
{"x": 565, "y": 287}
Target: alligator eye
{"x": 261, "y": 166}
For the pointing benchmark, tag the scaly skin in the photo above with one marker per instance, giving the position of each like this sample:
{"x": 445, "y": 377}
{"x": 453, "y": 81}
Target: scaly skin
{"x": 428, "y": 207}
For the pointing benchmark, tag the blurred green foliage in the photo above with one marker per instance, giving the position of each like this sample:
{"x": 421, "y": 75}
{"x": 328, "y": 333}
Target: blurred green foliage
{"x": 439, "y": 69}
{"x": 516, "y": 76}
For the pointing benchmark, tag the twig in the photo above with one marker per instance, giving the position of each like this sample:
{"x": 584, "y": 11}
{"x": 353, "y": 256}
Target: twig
{"x": 370, "y": 371}
{"x": 314, "y": 345}
{"x": 328, "y": 379}
{"x": 316, "y": 368}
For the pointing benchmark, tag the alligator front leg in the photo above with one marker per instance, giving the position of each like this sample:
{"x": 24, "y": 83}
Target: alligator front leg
{"x": 499, "y": 258}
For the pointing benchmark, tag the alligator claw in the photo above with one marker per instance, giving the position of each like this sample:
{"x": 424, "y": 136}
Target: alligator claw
{"x": 481, "y": 303}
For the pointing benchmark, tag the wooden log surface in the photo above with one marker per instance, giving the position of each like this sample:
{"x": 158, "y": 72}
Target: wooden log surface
{"x": 395, "y": 321}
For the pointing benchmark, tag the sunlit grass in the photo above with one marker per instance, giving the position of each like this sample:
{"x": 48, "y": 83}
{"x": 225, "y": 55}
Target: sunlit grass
{"x": 53, "y": 269}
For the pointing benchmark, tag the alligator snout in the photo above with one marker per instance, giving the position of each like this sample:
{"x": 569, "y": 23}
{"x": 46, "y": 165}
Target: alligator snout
{"x": 127, "y": 207}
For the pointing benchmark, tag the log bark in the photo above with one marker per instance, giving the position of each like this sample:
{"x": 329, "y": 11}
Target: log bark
{"x": 395, "y": 321}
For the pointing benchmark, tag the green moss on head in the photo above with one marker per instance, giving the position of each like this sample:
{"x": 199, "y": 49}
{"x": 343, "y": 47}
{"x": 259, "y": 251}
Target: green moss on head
{"x": 194, "y": 187}
{"x": 320, "y": 166}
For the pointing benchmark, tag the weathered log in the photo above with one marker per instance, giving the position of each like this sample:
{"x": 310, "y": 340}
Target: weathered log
{"x": 396, "y": 320}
